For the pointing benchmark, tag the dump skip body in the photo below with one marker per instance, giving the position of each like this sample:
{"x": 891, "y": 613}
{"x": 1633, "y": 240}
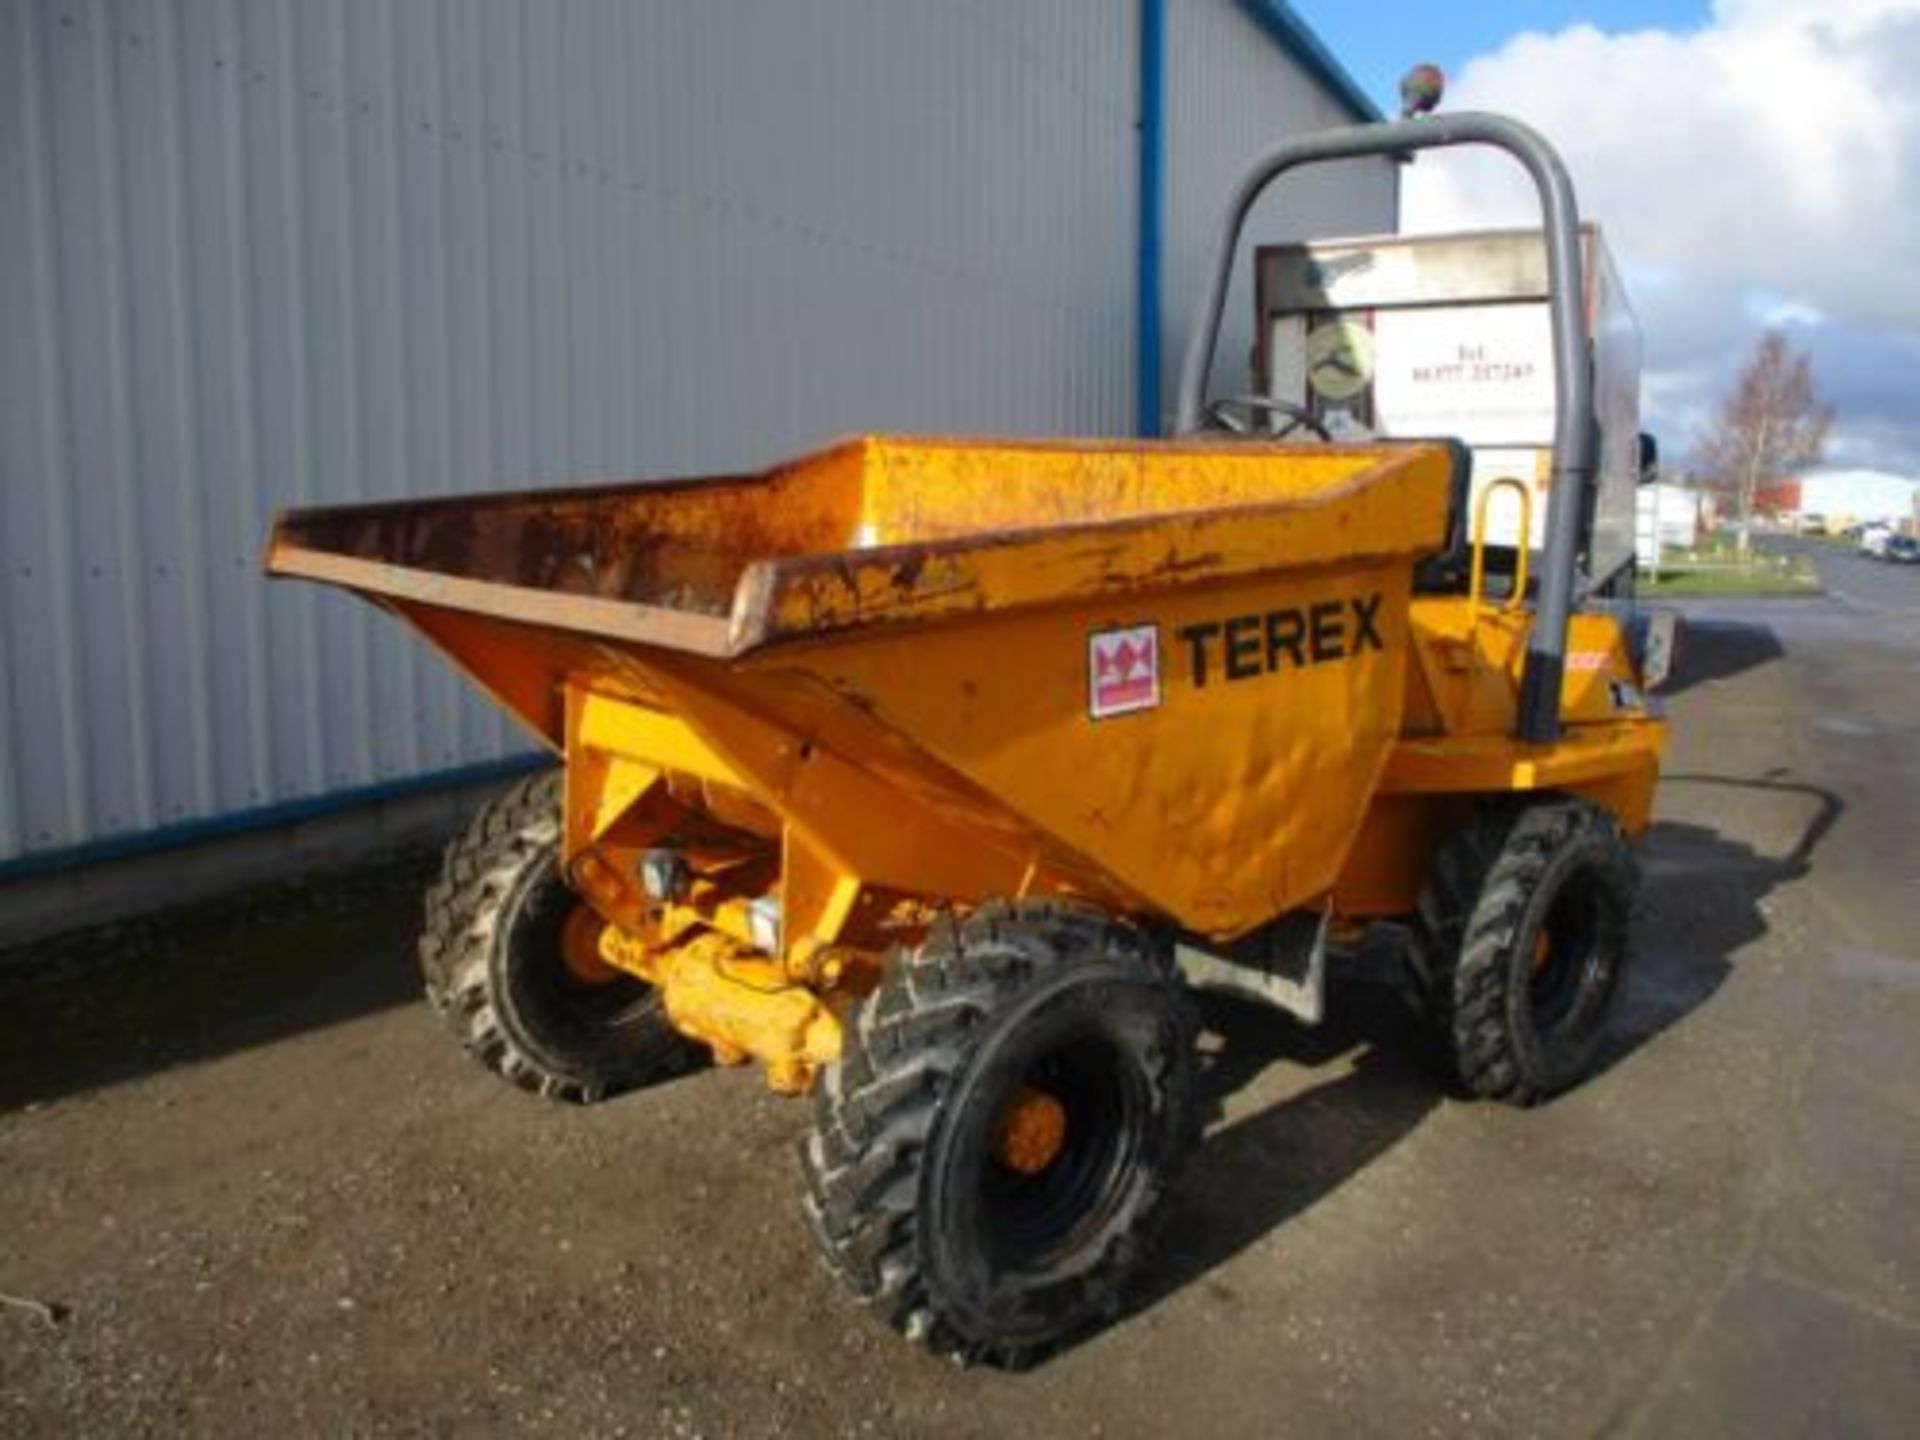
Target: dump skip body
{"x": 927, "y": 622}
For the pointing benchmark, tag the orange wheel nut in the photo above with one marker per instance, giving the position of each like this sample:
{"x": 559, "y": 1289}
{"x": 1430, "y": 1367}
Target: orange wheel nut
{"x": 1033, "y": 1131}
{"x": 580, "y": 948}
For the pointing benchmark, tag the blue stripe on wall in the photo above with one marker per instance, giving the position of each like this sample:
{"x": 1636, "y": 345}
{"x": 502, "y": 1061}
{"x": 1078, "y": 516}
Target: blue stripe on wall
{"x": 1152, "y": 198}
{"x": 266, "y": 817}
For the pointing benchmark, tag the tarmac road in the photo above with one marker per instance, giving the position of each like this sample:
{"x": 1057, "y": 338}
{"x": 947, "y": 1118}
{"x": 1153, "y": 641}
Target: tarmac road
{"x": 268, "y": 1192}
{"x": 1858, "y": 582}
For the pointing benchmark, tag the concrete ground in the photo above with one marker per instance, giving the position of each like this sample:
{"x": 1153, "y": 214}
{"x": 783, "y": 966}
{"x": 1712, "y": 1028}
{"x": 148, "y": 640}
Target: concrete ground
{"x": 264, "y": 1189}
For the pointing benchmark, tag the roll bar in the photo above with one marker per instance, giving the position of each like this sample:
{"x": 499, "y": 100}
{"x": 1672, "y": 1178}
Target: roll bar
{"x": 1538, "y": 719}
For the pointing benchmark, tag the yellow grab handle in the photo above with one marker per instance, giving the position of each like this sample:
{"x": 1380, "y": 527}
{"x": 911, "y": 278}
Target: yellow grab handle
{"x": 1519, "y": 595}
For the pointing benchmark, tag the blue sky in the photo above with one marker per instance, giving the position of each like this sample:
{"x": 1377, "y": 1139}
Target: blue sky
{"x": 1378, "y": 40}
{"x": 1753, "y": 163}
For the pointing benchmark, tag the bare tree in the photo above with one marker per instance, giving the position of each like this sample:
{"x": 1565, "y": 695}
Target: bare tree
{"x": 1771, "y": 425}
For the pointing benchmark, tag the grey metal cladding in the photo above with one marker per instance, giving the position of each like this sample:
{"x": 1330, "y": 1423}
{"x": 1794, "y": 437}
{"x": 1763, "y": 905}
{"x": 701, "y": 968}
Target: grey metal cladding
{"x": 270, "y": 252}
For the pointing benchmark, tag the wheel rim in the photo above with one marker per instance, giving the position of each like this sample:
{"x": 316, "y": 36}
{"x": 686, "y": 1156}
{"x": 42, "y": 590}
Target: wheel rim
{"x": 1039, "y": 1201}
{"x": 556, "y": 1001}
{"x": 580, "y": 947}
{"x": 1567, "y": 953}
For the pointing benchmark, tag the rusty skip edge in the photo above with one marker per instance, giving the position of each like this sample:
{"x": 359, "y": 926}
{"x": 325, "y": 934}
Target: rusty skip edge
{"x": 796, "y": 597}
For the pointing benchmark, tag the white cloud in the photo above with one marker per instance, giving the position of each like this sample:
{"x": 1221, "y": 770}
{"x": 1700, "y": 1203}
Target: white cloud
{"x": 1773, "y": 310}
{"x": 1764, "y": 169}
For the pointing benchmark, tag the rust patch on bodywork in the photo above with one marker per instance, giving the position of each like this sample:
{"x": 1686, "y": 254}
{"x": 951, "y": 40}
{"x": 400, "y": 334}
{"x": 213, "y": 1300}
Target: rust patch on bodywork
{"x": 873, "y": 532}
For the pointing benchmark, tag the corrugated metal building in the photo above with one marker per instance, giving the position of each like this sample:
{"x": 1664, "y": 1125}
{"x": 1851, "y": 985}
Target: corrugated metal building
{"x": 258, "y": 253}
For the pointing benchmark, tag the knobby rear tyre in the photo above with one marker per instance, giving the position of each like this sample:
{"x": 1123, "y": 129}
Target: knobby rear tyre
{"x": 492, "y": 960}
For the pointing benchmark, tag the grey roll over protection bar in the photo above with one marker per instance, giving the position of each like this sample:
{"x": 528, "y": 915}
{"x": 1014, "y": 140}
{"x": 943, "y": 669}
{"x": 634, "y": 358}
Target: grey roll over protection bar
{"x": 1538, "y": 718}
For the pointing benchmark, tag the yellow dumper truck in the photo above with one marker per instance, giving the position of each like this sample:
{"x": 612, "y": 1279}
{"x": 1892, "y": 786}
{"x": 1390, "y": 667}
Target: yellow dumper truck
{"x": 922, "y": 772}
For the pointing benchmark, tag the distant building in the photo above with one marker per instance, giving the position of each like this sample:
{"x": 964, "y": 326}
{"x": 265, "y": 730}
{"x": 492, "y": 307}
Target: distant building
{"x": 1853, "y": 497}
{"x": 1671, "y": 517}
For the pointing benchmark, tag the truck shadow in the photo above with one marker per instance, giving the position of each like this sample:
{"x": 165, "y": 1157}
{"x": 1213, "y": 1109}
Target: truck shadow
{"x": 1700, "y": 905}
{"x": 1718, "y": 650}
{"x": 1255, "y": 1172}
{"x": 1701, "y": 901}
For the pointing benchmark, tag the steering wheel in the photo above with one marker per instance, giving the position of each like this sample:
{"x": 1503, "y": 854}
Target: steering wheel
{"x": 1221, "y": 413}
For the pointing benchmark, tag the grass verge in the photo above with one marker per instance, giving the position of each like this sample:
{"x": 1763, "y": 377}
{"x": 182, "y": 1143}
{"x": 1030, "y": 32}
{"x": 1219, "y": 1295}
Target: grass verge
{"x": 1764, "y": 575}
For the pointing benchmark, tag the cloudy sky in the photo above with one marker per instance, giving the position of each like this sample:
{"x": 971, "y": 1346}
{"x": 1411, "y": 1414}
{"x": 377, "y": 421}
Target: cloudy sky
{"x": 1754, "y": 162}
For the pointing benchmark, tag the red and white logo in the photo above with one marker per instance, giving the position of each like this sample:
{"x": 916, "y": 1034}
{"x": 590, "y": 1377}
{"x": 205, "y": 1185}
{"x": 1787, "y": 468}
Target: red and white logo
{"x": 1123, "y": 670}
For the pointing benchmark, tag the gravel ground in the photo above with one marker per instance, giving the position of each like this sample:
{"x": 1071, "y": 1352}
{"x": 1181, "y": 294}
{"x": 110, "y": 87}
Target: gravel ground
{"x": 263, "y": 1188}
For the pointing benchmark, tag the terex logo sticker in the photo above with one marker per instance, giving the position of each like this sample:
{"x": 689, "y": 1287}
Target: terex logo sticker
{"x": 1123, "y": 670}
{"x": 1295, "y": 637}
